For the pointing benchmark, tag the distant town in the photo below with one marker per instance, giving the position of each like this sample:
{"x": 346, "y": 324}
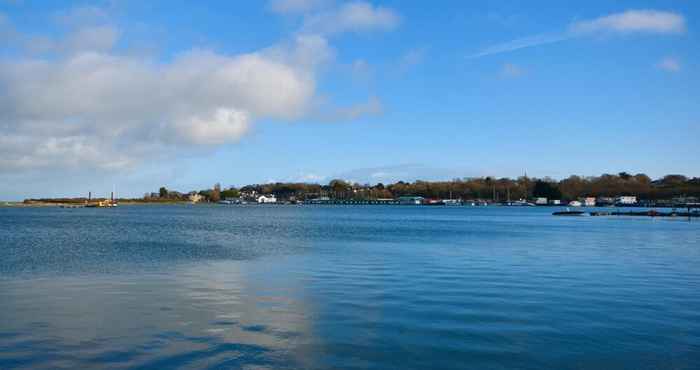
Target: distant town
{"x": 622, "y": 190}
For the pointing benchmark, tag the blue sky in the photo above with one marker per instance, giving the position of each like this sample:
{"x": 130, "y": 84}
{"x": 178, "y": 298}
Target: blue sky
{"x": 185, "y": 94}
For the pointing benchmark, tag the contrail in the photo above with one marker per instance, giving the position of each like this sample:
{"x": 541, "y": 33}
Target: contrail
{"x": 522, "y": 43}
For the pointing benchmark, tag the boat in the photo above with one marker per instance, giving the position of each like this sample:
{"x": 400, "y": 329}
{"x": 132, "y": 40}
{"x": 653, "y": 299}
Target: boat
{"x": 106, "y": 203}
{"x": 452, "y": 202}
{"x": 433, "y": 202}
{"x": 575, "y": 203}
{"x": 518, "y": 203}
{"x": 568, "y": 212}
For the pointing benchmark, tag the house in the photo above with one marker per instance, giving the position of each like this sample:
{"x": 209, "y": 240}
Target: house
{"x": 410, "y": 200}
{"x": 588, "y": 201}
{"x": 626, "y": 200}
{"x": 541, "y": 201}
{"x": 267, "y": 199}
{"x": 604, "y": 201}
{"x": 250, "y": 195}
{"x": 195, "y": 198}
{"x": 555, "y": 202}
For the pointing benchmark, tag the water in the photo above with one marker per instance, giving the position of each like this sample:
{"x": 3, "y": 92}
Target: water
{"x": 375, "y": 287}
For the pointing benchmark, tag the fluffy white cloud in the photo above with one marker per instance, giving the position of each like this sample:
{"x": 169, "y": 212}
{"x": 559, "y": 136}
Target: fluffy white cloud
{"x": 217, "y": 128}
{"x": 358, "y": 16}
{"x": 95, "y": 35}
{"x": 21, "y": 152}
{"x": 669, "y": 64}
{"x": 92, "y": 38}
{"x": 652, "y": 21}
{"x": 107, "y": 110}
{"x": 73, "y": 101}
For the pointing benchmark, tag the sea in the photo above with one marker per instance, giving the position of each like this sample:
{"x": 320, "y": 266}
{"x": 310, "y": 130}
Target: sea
{"x": 346, "y": 287}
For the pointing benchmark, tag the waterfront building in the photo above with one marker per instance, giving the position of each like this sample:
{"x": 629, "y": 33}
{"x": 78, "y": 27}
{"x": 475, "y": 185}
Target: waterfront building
{"x": 604, "y": 201}
{"x": 411, "y": 200}
{"x": 195, "y": 198}
{"x": 541, "y": 201}
{"x": 588, "y": 201}
{"x": 626, "y": 200}
{"x": 267, "y": 199}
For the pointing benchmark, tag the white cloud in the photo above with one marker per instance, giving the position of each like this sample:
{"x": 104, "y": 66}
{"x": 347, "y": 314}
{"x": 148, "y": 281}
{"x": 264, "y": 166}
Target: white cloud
{"x": 357, "y": 16}
{"x": 631, "y": 21}
{"x": 73, "y": 102}
{"x": 510, "y": 70}
{"x": 97, "y": 38}
{"x": 95, "y": 34}
{"x": 296, "y": 6}
{"x": 217, "y": 128}
{"x": 652, "y": 21}
{"x": 22, "y": 152}
{"x": 105, "y": 110}
{"x": 92, "y": 38}
{"x": 669, "y": 64}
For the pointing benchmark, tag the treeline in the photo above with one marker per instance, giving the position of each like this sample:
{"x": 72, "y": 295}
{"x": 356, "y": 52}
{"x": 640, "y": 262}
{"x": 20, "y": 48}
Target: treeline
{"x": 489, "y": 188}
{"x": 213, "y": 195}
{"x": 482, "y": 188}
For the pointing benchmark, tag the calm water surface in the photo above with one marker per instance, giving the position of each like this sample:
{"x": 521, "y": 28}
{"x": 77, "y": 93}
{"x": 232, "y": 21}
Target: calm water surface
{"x": 161, "y": 287}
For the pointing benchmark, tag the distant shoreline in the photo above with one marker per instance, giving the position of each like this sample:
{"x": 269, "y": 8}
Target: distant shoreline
{"x": 37, "y": 204}
{"x": 14, "y": 204}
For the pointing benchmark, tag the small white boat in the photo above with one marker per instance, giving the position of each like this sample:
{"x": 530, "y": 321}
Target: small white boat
{"x": 575, "y": 203}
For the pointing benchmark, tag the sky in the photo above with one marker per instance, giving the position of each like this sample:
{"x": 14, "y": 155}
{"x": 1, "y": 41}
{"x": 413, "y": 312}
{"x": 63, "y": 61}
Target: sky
{"x": 132, "y": 95}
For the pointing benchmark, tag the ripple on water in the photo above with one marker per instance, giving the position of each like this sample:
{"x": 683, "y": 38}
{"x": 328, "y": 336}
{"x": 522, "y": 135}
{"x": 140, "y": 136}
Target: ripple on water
{"x": 345, "y": 287}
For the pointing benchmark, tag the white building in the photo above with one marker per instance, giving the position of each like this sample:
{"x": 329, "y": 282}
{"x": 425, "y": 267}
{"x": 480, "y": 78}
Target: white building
{"x": 195, "y": 198}
{"x": 541, "y": 201}
{"x": 267, "y": 199}
{"x": 410, "y": 200}
{"x": 588, "y": 201}
{"x": 626, "y": 199}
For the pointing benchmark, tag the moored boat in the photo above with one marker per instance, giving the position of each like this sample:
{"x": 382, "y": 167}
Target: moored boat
{"x": 568, "y": 213}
